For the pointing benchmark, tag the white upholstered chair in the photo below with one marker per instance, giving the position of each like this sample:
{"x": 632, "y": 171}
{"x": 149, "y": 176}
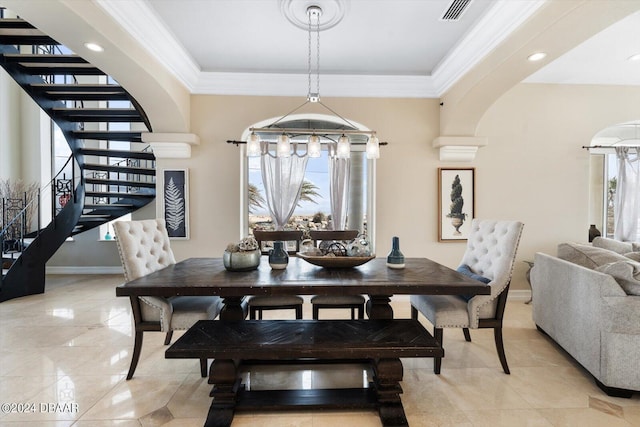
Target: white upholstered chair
{"x": 144, "y": 248}
{"x": 491, "y": 252}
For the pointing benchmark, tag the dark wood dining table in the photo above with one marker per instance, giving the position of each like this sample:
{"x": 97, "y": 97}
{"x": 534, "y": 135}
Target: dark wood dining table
{"x": 207, "y": 276}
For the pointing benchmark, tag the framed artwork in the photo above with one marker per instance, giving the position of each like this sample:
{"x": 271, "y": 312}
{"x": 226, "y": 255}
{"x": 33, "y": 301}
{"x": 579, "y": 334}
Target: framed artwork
{"x": 456, "y": 203}
{"x": 175, "y": 202}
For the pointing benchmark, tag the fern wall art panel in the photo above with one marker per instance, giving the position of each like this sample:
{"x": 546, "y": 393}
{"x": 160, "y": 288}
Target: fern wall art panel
{"x": 176, "y": 202}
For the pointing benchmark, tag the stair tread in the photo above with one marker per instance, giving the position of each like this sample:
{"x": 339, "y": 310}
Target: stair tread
{"x": 14, "y": 23}
{"x": 108, "y": 206}
{"x": 143, "y": 155}
{"x": 122, "y": 169}
{"x": 131, "y": 136}
{"x": 61, "y": 69}
{"x": 120, "y": 194}
{"x": 99, "y": 181}
{"x": 78, "y": 87}
{"x": 45, "y": 58}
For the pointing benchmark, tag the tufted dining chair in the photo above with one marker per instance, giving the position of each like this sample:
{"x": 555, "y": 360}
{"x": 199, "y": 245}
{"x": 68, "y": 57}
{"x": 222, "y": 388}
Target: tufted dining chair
{"x": 144, "y": 248}
{"x": 489, "y": 257}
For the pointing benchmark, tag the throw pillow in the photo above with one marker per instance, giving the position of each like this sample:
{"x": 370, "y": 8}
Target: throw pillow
{"x": 612, "y": 245}
{"x": 633, "y": 255}
{"x": 587, "y": 256}
{"x": 635, "y": 246}
{"x": 626, "y": 273}
{"x": 464, "y": 269}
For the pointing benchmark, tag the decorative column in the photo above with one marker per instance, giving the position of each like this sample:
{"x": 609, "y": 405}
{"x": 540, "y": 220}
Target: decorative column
{"x": 355, "y": 211}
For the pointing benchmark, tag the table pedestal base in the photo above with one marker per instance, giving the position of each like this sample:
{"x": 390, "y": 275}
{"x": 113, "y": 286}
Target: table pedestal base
{"x": 383, "y": 394}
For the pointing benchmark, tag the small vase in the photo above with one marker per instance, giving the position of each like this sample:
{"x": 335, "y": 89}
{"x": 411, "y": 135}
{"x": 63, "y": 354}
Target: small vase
{"x": 278, "y": 257}
{"x": 395, "y": 258}
{"x": 593, "y": 232}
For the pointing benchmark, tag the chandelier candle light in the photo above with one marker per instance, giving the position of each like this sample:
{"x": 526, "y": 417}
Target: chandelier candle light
{"x": 342, "y": 146}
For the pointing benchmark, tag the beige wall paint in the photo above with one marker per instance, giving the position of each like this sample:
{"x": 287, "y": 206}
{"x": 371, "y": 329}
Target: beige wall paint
{"x": 533, "y": 169}
{"x": 406, "y": 184}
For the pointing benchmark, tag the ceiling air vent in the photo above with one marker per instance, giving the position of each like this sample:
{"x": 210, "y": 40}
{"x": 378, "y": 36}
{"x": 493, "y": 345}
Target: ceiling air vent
{"x": 455, "y": 10}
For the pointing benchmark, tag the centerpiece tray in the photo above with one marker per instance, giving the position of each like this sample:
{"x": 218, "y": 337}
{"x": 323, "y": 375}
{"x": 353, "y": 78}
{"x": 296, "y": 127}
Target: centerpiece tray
{"x": 335, "y": 261}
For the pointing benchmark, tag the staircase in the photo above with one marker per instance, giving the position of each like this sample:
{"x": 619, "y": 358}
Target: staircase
{"x": 111, "y": 172}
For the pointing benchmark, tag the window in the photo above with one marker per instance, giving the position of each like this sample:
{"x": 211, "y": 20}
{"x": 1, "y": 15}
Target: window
{"x": 604, "y": 146}
{"x": 313, "y": 211}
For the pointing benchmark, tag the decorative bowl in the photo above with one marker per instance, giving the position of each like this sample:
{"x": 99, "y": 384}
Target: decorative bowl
{"x": 241, "y": 261}
{"x": 336, "y": 261}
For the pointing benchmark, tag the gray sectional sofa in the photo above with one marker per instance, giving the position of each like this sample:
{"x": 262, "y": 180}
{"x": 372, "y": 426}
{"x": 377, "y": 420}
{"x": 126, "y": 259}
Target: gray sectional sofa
{"x": 587, "y": 299}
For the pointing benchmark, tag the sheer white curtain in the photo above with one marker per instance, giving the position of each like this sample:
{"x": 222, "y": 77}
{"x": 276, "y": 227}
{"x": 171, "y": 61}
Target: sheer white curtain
{"x": 627, "y": 200}
{"x": 282, "y": 178}
{"x": 339, "y": 171}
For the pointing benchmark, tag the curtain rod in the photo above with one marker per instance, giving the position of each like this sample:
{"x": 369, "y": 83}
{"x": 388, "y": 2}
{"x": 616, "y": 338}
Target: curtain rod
{"x": 610, "y": 146}
{"x": 236, "y": 142}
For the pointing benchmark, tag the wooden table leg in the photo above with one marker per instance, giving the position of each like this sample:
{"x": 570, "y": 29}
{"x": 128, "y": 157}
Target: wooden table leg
{"x": 226, "y": 379}
{"x": 378, "y": 307}
{"x": 387, "y": 372}
{"x": 386, "y": 378}
{"x": 235, "y": 308}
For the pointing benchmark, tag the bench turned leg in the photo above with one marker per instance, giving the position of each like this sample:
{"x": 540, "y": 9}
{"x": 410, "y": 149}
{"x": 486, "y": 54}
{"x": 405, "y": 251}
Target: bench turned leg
{"x": 387, "y": 377}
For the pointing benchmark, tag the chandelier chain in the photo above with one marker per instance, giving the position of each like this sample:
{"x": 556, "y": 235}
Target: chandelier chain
{"x": 309, "y": 57}
{"x": 318, "y": 55}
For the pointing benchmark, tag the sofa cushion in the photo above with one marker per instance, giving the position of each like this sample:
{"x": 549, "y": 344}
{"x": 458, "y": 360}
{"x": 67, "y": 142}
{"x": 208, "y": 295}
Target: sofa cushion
{"x": 613, "y": 245}
{"x": 635, "y": 246}
{"x": 626, "y": 273}
{"x": 587, "y": 256}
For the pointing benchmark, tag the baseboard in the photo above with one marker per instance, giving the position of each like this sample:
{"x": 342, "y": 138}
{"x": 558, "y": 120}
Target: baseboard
{"x": 519, "y": 295}
{"x": 84, "y": 270}
{"x": 514, "y": 295}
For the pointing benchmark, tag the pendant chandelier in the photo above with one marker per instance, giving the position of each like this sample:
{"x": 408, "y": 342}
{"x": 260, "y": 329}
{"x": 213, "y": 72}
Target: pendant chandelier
{"x": 337, "y": 139}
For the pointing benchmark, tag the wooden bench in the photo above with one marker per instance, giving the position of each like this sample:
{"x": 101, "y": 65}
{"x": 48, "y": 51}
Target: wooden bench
{"x": 381, "y": 342}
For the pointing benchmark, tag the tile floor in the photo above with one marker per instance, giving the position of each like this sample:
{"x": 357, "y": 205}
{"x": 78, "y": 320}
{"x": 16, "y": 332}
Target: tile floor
{"x": 64, "y": 356}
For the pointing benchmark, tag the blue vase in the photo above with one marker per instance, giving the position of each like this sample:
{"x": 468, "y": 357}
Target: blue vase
{"x": 278, "y": 257}
{"x": 395, "y": 258}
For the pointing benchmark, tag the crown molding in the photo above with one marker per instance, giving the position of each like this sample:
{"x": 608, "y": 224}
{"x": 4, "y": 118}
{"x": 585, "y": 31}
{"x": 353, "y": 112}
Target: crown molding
{"x": 494, "y": 27}
{"x": 143, "y": 23}
{"x": 264, "y": 84}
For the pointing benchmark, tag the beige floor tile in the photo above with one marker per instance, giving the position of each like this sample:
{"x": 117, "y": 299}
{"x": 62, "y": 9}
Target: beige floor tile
{"x": 281, "y": 419}
{"x": 75, "y": 342}
{"x": 439, "y": 418}
{"x": 359, "y": 419}
{"x": 508, "y": 418}
{"x": 108, "y": 423}
{"x": 135, "y": 398}
{"x": 582, "y": 417}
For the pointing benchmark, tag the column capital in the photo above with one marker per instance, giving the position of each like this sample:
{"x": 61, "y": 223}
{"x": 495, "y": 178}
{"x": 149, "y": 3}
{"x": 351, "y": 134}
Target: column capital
{"x": 171, "y": 145}
{"x": 459, "y": 148}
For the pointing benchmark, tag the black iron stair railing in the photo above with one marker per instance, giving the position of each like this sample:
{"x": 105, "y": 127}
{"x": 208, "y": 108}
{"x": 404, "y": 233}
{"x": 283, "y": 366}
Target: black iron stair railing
{"x": 115, "y": 175}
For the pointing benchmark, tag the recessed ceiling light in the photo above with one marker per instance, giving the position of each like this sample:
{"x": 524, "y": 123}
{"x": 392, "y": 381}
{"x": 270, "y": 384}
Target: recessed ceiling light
{"x": 536, "y": 56}
{"x": 635, "y": 57}
{"x": 94, "y": 47}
